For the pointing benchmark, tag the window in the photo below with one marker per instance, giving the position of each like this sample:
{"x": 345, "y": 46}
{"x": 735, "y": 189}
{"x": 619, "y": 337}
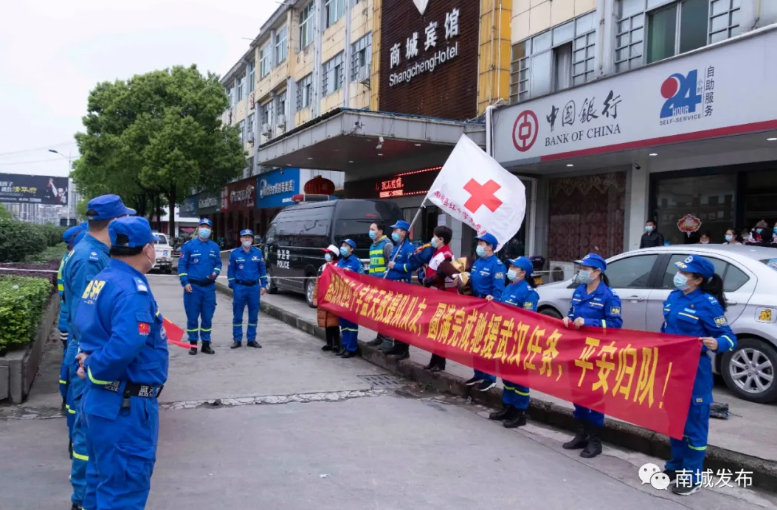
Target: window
{"x": 333, "y": 11}
{"x": 238, "y": 90}
{"x": 733, "y": 277}
{"x": 241, "y": 130}
{"x": 250, "y": 127}
{"x": 333, "y": 74}
{"x": 264, "y": 114}
{"x": 280, "y": 45}
{"x": 280, "y": 104}
{"x": 361, "y": 55}
{"x": 562, "y": 67}
{"x": 250, "y": 77}
{"x": 304, "y": 92}
{"x": 264, "y": 61}
{"x": 519, "y": 72}
{"x": 724, "y": 19}
{"x": 232, "y": 96}
{"x": 306, "y": 26}
{"x": 661, "y": 33}
{"x": 631, "y": 272}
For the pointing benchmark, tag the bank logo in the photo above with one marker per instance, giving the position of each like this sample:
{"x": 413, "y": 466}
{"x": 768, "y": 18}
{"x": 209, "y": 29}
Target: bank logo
{"x": 421, "y": 5}
{"x": 525, "y": 130}
{"x": 682, "y": 94}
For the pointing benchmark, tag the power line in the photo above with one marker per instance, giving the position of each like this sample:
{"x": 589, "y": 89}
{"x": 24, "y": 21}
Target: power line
{"x": 44, "y": 147}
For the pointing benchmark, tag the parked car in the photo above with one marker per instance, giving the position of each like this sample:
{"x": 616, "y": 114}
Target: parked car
{"x": 643, "y": 280}
{"x": 297, "y": 234}
{"x": 164, "y": 260}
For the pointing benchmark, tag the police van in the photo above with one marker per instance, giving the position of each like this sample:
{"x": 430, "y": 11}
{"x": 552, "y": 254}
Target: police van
{"x": 299, "y": 232}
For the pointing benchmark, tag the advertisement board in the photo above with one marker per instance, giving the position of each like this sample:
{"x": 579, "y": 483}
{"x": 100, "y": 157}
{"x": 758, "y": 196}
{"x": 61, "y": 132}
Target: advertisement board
{"x": 33, "y": 189}
{"x": 277, "y": 187}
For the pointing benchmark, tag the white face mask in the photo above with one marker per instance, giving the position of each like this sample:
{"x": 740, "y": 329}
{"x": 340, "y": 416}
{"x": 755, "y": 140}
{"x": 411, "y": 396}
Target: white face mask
{"x": 152, "y": 259}
{"x": 204, "y": 233}
{"x": 247, "y": 243}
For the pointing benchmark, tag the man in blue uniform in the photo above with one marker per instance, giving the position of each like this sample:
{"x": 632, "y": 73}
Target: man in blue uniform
{"x": 89, "y": 257}
{"x": 69, "y": 236}
{"x": 124, "y": 358}
{"x": 247, "y": 277}
{"x": 349, "y": 330}
{"x": 488, "y": 281}
{"x": 399, "y": 271}
{"x": 198, "y": 268}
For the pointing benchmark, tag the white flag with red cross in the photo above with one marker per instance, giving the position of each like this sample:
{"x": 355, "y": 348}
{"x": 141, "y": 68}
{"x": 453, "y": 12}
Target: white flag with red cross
{"x": 475, "y": 189}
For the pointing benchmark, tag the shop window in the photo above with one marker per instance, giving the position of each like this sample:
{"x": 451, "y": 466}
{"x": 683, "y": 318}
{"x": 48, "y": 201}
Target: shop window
{"x": 306, "y": 26}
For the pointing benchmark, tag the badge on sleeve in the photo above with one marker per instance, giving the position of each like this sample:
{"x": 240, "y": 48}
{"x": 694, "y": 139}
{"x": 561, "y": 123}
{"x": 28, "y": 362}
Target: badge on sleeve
{"x": 144, "y": 328}
{"x": 721, "y": 321}
{"x": 142, "y": 287}
{"x": 615, "y": 310}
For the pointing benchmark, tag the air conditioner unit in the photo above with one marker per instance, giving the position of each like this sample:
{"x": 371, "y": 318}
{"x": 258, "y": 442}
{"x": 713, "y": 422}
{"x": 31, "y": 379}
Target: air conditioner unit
{"x": 363, "y": 75}
{"x": 266, "y": 129}
{"x": 264, "y": 138}
{"x": 281, "y": 121}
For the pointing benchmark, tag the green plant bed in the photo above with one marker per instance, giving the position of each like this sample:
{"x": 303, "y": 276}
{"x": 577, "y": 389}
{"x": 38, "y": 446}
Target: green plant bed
{"x": 22, "y": 300}
{"x": 50, "y": 253}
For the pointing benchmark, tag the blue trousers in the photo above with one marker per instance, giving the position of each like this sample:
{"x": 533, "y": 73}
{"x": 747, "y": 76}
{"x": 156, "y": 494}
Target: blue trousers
{"x": 485, "y": 376}
{"x": 515, "y": 395}
{"x": 589, "y": 415}
{"x": 350, "y": 332}
{"x": 199, "y": 304}
{"x": 67, "y": 369}
{"x": 245, "y": 296}
{"x": 689, "y": 453}
{"x": 122, "y": 452}
{"x": 76, "y": 387}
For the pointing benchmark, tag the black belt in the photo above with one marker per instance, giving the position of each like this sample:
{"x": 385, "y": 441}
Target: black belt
{"x": 202, "y": 283}
{"x": 246, "y": 283}
{"x": 134, "y": 389}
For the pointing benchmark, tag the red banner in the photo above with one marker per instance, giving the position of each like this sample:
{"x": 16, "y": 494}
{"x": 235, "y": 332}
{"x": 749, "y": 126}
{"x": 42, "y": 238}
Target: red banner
{"x": 637, "y": 376}
{"x": 174, "y": 333}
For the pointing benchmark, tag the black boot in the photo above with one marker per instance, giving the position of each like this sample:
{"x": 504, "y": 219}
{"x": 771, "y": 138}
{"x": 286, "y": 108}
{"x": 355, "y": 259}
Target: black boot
{"x": 235, "y": 345}
{"x": 594, "y": 446}
{"x": 581, "y": 437}
{"x": 387, "y": 345}
{"x": 518, "y": 420}
{"x": 192, "y": 348}
{"x": 502, "y": 414}
{"x": 205, "y": 349}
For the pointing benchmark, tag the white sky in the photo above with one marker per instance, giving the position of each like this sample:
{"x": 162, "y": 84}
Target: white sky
{"x": 53, "y": 52}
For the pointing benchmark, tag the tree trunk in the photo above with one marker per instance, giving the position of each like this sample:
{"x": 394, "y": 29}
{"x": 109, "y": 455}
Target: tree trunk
{"x": 171, "y": 198}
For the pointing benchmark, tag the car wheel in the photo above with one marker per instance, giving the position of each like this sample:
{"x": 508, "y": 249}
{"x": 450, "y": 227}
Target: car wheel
{"x": 310, "y": 289}
{"x": 749, "y": 371}
{"x": 550, "y": 312}
{"x": 271, "y": 287}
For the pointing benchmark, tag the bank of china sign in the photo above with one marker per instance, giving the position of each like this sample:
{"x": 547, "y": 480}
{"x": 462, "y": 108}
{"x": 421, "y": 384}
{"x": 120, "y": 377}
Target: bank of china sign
{"x": 423, "y": 52}
{"x": 693, "y": 97}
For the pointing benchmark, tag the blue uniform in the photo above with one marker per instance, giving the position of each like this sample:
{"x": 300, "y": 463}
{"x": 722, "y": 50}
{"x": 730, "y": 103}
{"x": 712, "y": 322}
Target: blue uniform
{"x": 350, "y": 330}
{"x": 246, "y": 274}
{"x": 401, "y": 254}
{"x": 487, "y": 278}
{"x": 62, "y": 325}
{"x": 88, "y": 258}
{"x": 696, "y": 314}
{"x": 121, "y": 330}
{"x": 199, "y": 260}
{"x": 518, "y": 294}
{"x": 601, "y": 308}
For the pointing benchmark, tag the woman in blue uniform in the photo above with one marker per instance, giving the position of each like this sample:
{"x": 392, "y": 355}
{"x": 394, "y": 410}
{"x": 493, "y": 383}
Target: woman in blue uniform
{"x": 520, "y": 292}
{"x": 696, "y": 308}
{"x": 350, "y": 330}
{"x": 593, "y": 304}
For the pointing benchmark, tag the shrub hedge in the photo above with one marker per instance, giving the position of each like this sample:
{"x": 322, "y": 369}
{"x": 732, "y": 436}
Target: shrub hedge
{"x": 22, "y": 300}
{"x": 19, "y": 239}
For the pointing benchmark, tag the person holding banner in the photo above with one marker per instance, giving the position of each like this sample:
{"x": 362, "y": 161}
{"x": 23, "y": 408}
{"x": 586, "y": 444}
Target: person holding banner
{"x": 520, "y": 292}
{"x": 380, "y": 254}
{"x": 488, "y": 281}
{"x": 350, "y": 330}
{"x": 593, "y": 304}
{"x": 328, "y": 320}
{"x": 399, "y": 270}
{"x": 696, "y": 308}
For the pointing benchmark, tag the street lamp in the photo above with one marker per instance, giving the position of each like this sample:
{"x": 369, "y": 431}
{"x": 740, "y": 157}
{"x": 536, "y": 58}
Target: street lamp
{"x": 69, "y": 158}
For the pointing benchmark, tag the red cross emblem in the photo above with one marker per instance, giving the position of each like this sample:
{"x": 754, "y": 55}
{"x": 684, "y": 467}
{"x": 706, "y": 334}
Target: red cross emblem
{"x": 482, "y": 194}
{"x": 525, "y": 130}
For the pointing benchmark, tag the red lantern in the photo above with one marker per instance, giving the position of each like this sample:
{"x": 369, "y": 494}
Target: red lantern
{"x": 319, "y": 186}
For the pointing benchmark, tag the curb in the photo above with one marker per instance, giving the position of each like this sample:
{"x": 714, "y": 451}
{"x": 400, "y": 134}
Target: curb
{"x": 764, "y": 472}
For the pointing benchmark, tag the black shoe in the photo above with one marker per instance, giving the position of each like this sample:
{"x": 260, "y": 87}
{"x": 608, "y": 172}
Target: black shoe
{"x": 486, "y": 385}
{"x": 205, "y": 349}
{"x": 518, "y": 420}
{"x": 348, "y": 354}
{"x": 685, "y": 489}
{"x": 254, "y": 344}
{"x": 672, "y": 474}
{"x": 501, "y": 414}
{"x": 327, "y": 348}
{"x": 386, "y": 346}
{"x": 473, "y": 381}
{"x": 76, "y": 507}
{"x": 580, "y": 440}
{"x": 594, "y": 446}
{"x": 378, "y": 340}
{"x": 235, "y": 345}
{"x": 436, "y": 368}
{"x": 193, "y": 350}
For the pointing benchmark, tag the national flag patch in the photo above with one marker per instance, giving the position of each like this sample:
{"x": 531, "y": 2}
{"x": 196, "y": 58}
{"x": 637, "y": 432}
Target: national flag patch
{"x": 144, "y": 328}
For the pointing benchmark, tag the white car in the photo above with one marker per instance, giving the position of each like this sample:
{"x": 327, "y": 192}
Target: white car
{"x": 164, "y": 258}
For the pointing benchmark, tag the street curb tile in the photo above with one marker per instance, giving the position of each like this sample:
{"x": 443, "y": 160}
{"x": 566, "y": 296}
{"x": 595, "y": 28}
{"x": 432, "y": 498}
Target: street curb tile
{"x": 616, "y": 432}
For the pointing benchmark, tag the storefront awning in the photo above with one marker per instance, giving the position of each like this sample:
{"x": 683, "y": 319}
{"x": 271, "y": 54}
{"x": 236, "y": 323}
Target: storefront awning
{"x": 367, "y": 144}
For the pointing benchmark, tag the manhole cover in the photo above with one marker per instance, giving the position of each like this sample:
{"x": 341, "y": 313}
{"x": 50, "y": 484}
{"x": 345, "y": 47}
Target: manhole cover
{"x": 382, "y": 380}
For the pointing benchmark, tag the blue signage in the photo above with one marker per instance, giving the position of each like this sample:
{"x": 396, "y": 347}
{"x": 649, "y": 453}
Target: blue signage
{"x": 189, "y": 207}
{"x": 276, "y": 188}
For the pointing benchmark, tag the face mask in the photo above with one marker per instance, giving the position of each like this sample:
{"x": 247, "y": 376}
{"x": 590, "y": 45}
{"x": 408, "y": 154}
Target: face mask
{"x": 680, "y": 282}
{"x": 343, "y": 251}
{"x": 373, "y": 234}
{"x": 648, "y": 228}
{"x": 729, "y": 238}
{"x": 205, "y": 233}
{"x": 774, "y": 230}
{"x": 480, "y": 251}
{"x": 434, "y": 242}
{"x": 583, "y": 277}
{"x": 395, "y": 237}
{"x": 512, "y": 275}
{"x": 151, "y": 260}
{"x": 247, "y": 244}
{"x": 328, "y": 257}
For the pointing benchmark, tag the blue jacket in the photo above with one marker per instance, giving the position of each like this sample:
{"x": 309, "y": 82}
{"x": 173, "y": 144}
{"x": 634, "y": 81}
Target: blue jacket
{"x": 199, "y": 259}
{"x": 88, "y": 258}
{"x": 352, "y": 263}
{"x": 401, "y": 269}
{"x": 488, "y": 277}
{"x": 699, "y": 314}
{"x": 63, "y": 318}
{"x": 247, "y": 266}
{"x": 420, "y": 257}
{"x": 601, "y": 308}
{"x": 521, "y": 295}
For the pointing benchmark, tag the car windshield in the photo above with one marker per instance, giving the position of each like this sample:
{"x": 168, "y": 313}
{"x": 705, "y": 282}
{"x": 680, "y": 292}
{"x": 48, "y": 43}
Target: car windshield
{"x": 161, "y": 239}
{"x": 771, "y": 263}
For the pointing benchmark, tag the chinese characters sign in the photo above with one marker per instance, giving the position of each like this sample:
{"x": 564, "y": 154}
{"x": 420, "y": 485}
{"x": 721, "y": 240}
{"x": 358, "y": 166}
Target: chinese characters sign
{"x": 33, "y": 189}
{"x": 645, "y": 378}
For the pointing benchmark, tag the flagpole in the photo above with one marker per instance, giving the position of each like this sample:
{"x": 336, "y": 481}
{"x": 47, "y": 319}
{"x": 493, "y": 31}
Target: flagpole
{"x": 415, "y": 218}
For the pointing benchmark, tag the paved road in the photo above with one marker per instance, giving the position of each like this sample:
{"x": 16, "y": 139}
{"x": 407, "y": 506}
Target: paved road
{"x": 291, "y": 427}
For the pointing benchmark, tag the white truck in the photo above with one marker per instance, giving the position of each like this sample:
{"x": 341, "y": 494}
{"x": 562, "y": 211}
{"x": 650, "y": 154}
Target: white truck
{"x": 164, "y": 254}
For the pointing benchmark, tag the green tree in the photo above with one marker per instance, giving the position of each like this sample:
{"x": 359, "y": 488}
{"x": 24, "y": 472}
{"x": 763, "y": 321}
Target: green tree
{"x": 155, "y": 138}
{"x": 5, "y": 213}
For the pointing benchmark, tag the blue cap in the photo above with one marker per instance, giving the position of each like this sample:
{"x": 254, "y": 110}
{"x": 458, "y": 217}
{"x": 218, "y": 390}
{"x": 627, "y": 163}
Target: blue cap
{"x": 107, "y": 207}
{"x": 246, "y": 232}
{"x": 593, "y": 260}
{"x": 351, "y": 243}
{"x": 488, "y": 238}
{"x": 81, "y": 233}
{"x": 130, "y": 232}
{"x": 524, "y": 263}
{"x": 70, "y": 234}
{"x": 401, "y": 224}
{"x": 697, "y": 264}
{"x": 205, "y": 221}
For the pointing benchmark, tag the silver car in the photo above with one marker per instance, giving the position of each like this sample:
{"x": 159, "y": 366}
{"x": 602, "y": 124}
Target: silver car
{"x": 643, "y": 280}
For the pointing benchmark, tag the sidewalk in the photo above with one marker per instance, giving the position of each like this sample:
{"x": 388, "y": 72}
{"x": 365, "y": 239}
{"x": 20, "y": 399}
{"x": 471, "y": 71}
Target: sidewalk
{"x": 746, "y": 441}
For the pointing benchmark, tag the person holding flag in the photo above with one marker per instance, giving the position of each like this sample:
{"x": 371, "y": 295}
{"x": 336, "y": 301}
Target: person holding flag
{"x": 400, "y": 271}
